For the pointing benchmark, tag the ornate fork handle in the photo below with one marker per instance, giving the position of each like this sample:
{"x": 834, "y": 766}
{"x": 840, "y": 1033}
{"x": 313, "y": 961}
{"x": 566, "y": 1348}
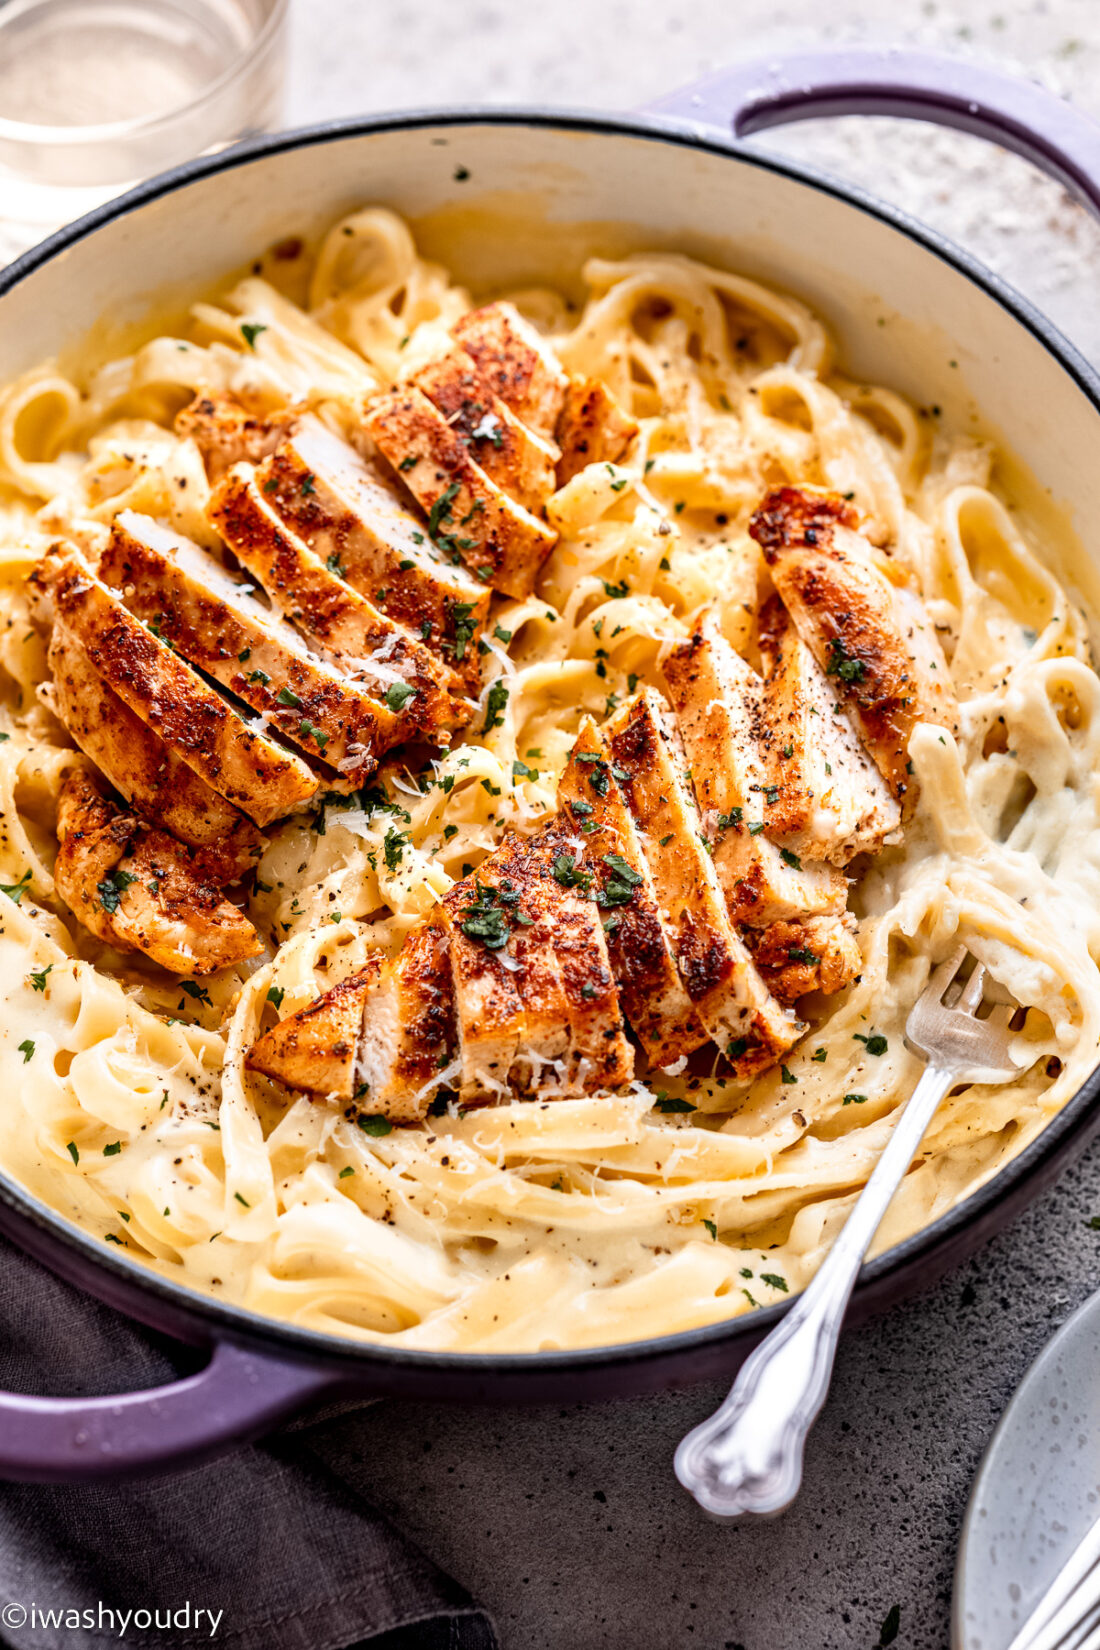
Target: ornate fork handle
{"x": 748, "y": 1456}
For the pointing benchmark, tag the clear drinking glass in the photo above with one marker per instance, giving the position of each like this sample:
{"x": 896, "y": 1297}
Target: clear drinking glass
{"x": 97, "y": 94}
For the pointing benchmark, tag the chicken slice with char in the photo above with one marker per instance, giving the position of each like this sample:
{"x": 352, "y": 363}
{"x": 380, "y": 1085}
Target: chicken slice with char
{"x": 519, "y": 461}
{"x": 592, "y": 428}
{"x": 138, "y": 889}
{"x": 206, "y": 615}
{"x": 873, "y": 639}
{"x": 654, "y": 1001}
{"x": 354, "y": 522}
{"x": 333, "y": 616}
{"x": 469, "y": 516}
{"x": 243, "y": 766}
{"x": 150, "y": 775}
{"x": 517, "y": 362}
{"x": 718, "y": 700}
{"x": 824, "y": 798}
{"x": 409, "y": 1038}
{"x": 226, "y": 432}
{"x": 316, "y": 1049}
{"x": 817, "y": 954}
{"x": 533, "y": 985}
{"x": 716, "y": 970}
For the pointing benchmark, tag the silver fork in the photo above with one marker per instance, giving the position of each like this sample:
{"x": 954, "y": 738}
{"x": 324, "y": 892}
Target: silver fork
{"x": 747, "y": 1458}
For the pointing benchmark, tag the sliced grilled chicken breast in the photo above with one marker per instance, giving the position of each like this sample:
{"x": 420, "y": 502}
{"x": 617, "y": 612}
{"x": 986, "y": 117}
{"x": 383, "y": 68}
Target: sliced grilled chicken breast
{"x": 151, "y": 777}
{"x": 469, "y": 516}
{"x": 519, "y": 461}
{"x": 718, "y": 701}
{"x": 823, "y": 796}
{"x": 243, "y": 766}
{"x": 227, "y": 433}
{"x": 334, "y": 617}
{"x": 873, "y": 640}
{"x": 592, "y": 428}
{"x": 819, "y": 954}
{"x": 718, "y": 974}
{"x": 517, "y": 362}
{"x": 191, "y": 603}
{"x": 137, "y": 888}
{"x": 653, "y": 998}
{"x": 409, "y": 1037}
{"x": 358, "y": 527}
{"x": 535, "y": 1001}
{"x": 316, "y": 1049}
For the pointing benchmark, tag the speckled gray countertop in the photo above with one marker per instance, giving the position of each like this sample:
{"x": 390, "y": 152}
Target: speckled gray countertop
{"x": 568, "y": 1524}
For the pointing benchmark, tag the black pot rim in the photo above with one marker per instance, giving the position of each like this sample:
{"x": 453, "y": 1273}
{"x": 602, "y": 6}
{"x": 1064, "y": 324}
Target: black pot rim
{"x": 341, "y": 1352}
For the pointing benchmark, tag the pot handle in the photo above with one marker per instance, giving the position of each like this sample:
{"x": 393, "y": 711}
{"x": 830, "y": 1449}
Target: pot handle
{"x": 970, "y": 97}
{"x": 236, "y": 1396}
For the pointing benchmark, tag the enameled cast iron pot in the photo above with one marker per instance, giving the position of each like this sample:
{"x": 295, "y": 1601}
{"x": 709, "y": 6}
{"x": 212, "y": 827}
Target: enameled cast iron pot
{"x": 504, "y": 198}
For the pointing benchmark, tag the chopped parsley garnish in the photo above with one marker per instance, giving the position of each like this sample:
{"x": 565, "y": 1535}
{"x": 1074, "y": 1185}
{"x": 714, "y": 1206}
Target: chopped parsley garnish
{"x": 820, "y": 1055}
{"x": 495, "y": 705}
{"x": 520, "y": 770}
{"x": 622, "y": 868}
{"x": 275, "y": 995}
{"x": 250, "y": 331}
{"x": 503, "y": 635}
{"x": 854, "y": 1099}
{"x": 787, "y": 1075}
{"x": 394, "y": 846}
{"x": 732, "y": 818}
{"x": 38, "y": 978}
{"x": 876, "y": 1043}
{"x": 309, "y": 484}
{"x": 410, "y": 462}
{"x": 672, "y": 1103}
{"x": 736, "y": 1048}
{"x": 802, "y": 954}
{"x": 840, "y": 663}
{"x": 242, "y": 1200}
{"x": 485, "y": 921}
{"x": 26, "y": 1049}
{"x": 775, "y": 1280}
{"x": 72, "y": 1151}
{"x": 376, "y": 1126}
{"x": 398, "y": 695}
{"x": 465, "y": 628}
{"x": 111, "y": 889}
{"x": 616, "y": 591}
{"x": 441, "y": 509}
{"x": 568, "y": 875}
{"x": 16, "y": 890}
{"x": 344, "y": 1173}
{"x": 286, "y": 697}
{"x": 112, "y": 1150}
{"x": 260, "y": 676}
{"x": 197, "y": 991}
{"x": 334, "y": 564}
{"x": 712, "y": 1229}
{"x": 310, "y": 730}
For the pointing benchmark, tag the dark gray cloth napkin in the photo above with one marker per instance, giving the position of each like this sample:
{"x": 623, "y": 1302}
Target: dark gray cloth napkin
{"x": 268, "y": 1536}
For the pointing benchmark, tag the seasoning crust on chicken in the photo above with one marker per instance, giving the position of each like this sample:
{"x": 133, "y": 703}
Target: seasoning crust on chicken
{"x": 873, "y": 639}
{"x": 469, "y": 516}
{"x": 148, "y": 773}
{"x": 357, "y": 525}
{"x": 137, "y": 888}
{"x": 243, "y": 766}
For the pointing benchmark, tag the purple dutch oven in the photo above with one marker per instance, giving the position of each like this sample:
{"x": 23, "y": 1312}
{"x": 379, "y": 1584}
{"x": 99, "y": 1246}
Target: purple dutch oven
{"x": 549, "y": 188}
